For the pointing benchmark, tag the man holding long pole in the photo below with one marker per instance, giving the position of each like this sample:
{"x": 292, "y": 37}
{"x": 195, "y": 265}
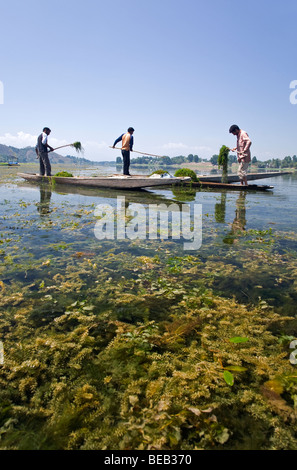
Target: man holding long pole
{"x": 127, "y": 147}
{"x": 243, "y": 152}
{"x": 42, "y": 152}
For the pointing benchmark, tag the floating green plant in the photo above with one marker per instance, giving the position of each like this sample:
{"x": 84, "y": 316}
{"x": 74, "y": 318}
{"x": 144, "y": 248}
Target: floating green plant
{"x": 78, "y": 147}
{"x": 186, "y": 172}
{"x": 223, "y": 162}
{"x": 238, "y": 339}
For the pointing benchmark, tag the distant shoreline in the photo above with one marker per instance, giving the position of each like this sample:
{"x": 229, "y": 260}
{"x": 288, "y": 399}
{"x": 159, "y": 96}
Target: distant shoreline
{"x": 199, "y": 167}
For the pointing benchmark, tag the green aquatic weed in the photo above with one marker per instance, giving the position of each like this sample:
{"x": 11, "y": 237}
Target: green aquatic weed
{"x": 223, "y": 162}
{"x": 186, "y": 172}
{"x": 64, "y": 174}
{"x": 78, "y": 147}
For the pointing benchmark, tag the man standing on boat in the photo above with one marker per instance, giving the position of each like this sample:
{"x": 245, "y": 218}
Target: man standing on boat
{"x": 127, "y": 147}
{"x": 243, "y": 152}
{"x": 42, "y": 152}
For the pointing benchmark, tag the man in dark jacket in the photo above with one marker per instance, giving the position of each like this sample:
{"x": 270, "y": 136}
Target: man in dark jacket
{"x": 42, "y": 152}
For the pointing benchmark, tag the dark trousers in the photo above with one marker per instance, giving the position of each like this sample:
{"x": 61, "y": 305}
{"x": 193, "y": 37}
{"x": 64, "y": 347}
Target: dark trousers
{"x": 44, "y": 164}
{"x": 126, "y": 160}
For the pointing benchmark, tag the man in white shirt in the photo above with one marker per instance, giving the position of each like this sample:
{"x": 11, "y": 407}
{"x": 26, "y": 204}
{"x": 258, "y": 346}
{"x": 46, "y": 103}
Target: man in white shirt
{"x": 41, "y": 149}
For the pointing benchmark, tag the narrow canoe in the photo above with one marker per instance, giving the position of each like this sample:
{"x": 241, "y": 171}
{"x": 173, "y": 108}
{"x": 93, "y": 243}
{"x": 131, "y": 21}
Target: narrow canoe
{"x": 112, "y": 181}
{"x": 236, "y": 187}
{"x": 136, "y": 182}
{"x": 235, "y": 178}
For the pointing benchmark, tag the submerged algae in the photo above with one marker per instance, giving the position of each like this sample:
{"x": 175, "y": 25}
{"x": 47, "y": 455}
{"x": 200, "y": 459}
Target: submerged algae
{"x": 130, "y": 344}
{"x": 144, "y": 355}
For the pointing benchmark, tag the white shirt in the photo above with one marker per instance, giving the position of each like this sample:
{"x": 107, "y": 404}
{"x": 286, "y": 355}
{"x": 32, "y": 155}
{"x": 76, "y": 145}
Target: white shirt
{"x": 44, "y": 138}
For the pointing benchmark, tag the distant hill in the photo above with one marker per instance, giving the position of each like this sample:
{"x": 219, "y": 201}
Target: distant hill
{"x": 28, "y": 155}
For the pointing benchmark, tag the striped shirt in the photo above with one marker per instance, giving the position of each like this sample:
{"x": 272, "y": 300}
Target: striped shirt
{"x": 243, "y": 146}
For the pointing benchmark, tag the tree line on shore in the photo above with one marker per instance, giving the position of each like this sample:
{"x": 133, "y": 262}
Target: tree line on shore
{"x": 286, "y": 162}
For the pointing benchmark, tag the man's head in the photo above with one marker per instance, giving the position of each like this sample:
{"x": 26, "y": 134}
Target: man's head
{"x": 47, "y": 130}
{"x": 130, "y": 130}
{"x": 234, "y": 129}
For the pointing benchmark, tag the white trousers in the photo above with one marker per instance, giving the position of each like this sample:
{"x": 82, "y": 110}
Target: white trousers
{"x": 243, "y": 169}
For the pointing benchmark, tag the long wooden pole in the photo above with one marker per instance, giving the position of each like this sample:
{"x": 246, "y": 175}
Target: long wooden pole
{"x": 141, "y": 153}
{"x": 62, "y": 146}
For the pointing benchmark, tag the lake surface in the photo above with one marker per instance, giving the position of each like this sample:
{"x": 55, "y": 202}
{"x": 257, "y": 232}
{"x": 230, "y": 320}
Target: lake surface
{"x": 56, "y": 275}
{"x": 39, "y": 218}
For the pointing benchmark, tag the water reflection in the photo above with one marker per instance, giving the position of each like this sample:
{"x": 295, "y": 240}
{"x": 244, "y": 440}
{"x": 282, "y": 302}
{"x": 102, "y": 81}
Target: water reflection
{"x": 239, "y": 222}
{"x": 45, "y": 197}
{"x": 140, "y": 196}
{"x": 184, "y": 194}
{"x": 220, "y": 209}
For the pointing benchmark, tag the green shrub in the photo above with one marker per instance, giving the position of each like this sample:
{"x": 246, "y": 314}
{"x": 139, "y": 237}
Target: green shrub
{"x": 64, "y": 174}
{"x": 186, "y": 172}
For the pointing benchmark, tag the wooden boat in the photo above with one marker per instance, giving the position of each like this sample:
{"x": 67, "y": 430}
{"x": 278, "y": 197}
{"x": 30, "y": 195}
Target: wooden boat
{"x": 235, "y": 178}
{"x": 112, "y": 181}
{"x": 136, "y": 182}
{"x": 230, "y": 186}
{"x": 141, "y": 196}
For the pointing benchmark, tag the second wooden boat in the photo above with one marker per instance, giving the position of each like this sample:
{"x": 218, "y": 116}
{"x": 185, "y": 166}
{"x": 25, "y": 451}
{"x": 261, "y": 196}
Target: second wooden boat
{"x": 230, "y": 186}
{"x": 250, "y": 176}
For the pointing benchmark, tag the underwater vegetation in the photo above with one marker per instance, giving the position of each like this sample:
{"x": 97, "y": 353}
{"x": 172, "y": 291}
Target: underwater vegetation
{"x": 135, "y": 344}
{"x": 145, "y": 362}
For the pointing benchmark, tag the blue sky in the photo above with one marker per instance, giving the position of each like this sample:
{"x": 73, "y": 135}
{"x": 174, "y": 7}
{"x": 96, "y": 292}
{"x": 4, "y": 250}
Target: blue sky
{"x": 179, "y": 72}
